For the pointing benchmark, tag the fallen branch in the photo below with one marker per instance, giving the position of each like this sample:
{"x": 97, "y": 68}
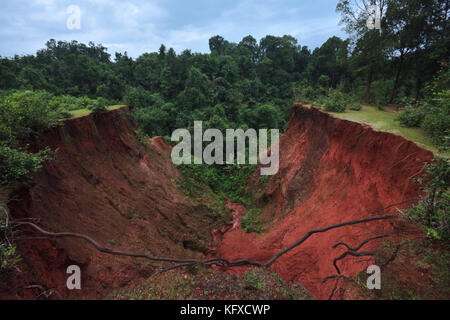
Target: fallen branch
{"x": 353, "y": 252}
{"x": 222, "y": 262}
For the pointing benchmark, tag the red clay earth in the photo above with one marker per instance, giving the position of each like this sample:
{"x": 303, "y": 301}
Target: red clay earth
{"x": 106, "y": 184}
{"x": 237, "y": 212}
{"x": 331, "y": 171}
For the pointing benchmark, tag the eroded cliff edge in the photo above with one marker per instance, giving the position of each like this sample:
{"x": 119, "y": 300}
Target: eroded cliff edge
{"x": 331, "y": 171}
{"x": 112, "y": 184}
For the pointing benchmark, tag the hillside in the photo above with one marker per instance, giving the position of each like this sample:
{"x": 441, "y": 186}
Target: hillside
{"x": 110, "y": 183}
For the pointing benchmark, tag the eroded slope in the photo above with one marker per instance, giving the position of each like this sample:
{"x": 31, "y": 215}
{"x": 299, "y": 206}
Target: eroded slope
{"x": 331, "y": 171}
{"x": 112, "y": 184}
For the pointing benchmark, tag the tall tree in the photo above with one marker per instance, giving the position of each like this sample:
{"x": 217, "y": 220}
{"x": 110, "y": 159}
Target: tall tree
{"x": 370, "y": 43}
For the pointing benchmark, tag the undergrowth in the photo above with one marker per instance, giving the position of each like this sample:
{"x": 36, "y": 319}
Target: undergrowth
{"x": 206, "y": 284}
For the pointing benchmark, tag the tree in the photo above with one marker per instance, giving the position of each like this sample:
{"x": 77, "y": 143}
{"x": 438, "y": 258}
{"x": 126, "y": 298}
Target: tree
{"x": 370, "y": 43}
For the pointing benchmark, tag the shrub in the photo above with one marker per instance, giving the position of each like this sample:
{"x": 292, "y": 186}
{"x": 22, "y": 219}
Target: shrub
{"x": 304, "y": 93}
{"x": 335, "y": 102}
{"x": 99, "y": 104}
{"x": 437, "y": 119}
{"x": 433, "y": 209}
{"x": 16, "y": 166}
{"x": 250, "y": 222}
{"x": 23, "y": 116}
{"x": 355, "y": 107}
{"x": 412, "y": 116}
{"x": 27, "y": 113}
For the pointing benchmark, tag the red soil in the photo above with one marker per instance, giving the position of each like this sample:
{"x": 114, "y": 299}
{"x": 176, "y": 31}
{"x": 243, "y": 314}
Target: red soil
{"x": 107, "y": 185}
{"x": 331, "y": 171}
{"x": 237, "y": 212}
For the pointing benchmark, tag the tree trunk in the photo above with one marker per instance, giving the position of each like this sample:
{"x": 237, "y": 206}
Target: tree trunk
{"x": 397, "y": 79}
{"x": 368, "y": 85}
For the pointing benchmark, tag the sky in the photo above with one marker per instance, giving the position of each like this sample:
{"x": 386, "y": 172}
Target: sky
{"x": 138, "y": 26}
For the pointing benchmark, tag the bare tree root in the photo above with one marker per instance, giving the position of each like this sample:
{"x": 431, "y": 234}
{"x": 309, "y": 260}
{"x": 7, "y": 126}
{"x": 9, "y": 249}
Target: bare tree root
{"x": 352, "y": 252}
{"x": 179, "y": 263}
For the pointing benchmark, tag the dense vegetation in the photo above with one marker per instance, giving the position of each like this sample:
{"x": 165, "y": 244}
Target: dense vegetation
{"x": 251, "y": 83}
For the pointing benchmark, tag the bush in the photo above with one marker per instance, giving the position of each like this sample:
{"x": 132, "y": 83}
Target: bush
{"x": 355, "y": 107}
{"x": 304, "y": 93}
{"x": 250, "y": 222}
{"x": 335, "y": 102}
{"x": 433, "y": 209}
{"x": 99, "y": 105}
{"x": 17, "y": 166}
{"x": 437, "y": 119}
{"x": 412, "y": 116}
{"x": 433, "y": 116}
{"x": 26, "y": 113}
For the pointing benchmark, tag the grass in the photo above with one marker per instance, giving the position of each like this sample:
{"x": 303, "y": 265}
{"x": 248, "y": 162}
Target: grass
{"x": 384, "y": 120}
{"x": 85, "y": 112}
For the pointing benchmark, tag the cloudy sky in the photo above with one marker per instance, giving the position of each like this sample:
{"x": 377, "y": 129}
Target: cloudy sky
{"x": 139, "y": 26}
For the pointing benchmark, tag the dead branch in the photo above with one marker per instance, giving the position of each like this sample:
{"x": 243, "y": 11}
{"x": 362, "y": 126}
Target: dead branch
{"x": 221, "y": 262}
{"x": 352, "y": 252}
{"x": 310, "y": 233}
{"x": 362, "y": 243}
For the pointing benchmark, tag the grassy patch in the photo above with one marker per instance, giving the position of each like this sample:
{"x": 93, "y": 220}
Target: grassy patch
{"x": 85, "y": 112}
{"x": 384, "y": 120}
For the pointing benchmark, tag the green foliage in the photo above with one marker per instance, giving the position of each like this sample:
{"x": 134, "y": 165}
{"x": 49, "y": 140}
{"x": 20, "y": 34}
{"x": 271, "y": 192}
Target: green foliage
{"x": 432, "y": 211}
{"x": 250, "y": 222}
{"x": 380, "y": 92}
{"x": 99, "y": 104}
{"x": 355, "y": 107}
{"x": 412, "y": 116}
{"x": 24, "y": 115}
{"x": 224, "y": 180}
{"x": 17, "y": 166}
{"x": 335, "y": 102}
{"x": 434, "y": 114}
{"x": 138, "y": 97}
{"x": 8, "y": 257}
{"x": 305, "y": 93}
{"x": 437, "y": 120}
